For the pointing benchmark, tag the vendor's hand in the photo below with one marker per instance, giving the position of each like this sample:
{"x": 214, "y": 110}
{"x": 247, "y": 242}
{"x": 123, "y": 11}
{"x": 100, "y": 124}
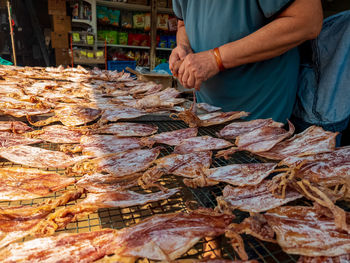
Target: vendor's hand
{"x": 197, "y": 68}
{"x": 178, "y": 54}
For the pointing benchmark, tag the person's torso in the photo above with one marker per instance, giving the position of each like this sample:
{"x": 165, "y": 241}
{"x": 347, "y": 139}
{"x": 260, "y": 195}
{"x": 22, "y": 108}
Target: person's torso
{"x": 267, "y": 89}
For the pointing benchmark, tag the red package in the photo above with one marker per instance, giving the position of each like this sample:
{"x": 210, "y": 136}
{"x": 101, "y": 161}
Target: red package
{"x": 172, "y": 23}
{"x": 146, "y": 40}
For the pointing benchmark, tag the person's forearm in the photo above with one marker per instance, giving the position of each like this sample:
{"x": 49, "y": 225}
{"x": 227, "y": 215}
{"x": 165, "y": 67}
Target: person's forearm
{"x": 181, "y": 35}
{"x": 282, "y": 34}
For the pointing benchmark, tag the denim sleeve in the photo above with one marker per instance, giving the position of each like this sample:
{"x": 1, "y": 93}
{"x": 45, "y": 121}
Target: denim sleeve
{"x": 272, "y": 7}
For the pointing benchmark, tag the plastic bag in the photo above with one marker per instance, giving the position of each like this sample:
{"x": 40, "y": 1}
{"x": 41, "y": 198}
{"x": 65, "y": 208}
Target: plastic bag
{"x": 139, "y": 21}
{"x": 114, "y": 16}
{"x": 122, "y": 38}
{"x": 162, "y": 22}
{"x": 126, "y": 20}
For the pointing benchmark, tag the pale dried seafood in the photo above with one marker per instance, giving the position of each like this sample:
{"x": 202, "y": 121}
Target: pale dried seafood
{"x": 128, "y": 129}
{"x": 201, "y": 144}
{"x": 71, "y": 116}
{"x": 38, "y": 157}
{"x": 173, "y": 137}
{"x": 59, "y": 134}
{"x": 125, "y": 198}
{"x": 185, "y": 165}
{"x": 235, "y": 129}
{"x": 253, "y": 199}
{"x": 311, "y": 141}
{"x": 234, "y": 174}
{"x": 259, "y": 140}
{"x": 120, "y": 164}
{"x": 21, "y": 221}
{"x": 14, "y": 126}
{"x": 8, "y": 139}
{"x": 18, "y": 183}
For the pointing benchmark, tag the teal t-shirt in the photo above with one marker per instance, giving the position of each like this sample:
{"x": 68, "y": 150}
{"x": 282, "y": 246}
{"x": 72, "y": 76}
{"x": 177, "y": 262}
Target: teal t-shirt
{"x": 267, "y": 89}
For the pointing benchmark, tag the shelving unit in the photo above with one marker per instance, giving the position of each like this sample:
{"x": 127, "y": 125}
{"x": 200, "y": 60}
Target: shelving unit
{"x": 99, "y": 44}
{"x": 89, "y": 61}
{"x": 82, "y": 21}
{"x": 133, "y": 7}
{"x": 153, "y": 9}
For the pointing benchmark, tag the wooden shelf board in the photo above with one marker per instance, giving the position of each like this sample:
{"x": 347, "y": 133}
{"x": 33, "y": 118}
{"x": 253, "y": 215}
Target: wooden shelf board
{"x": 89, "y": 61}
{"x": 133, "y": 7}
{"x": 82, "y": 21}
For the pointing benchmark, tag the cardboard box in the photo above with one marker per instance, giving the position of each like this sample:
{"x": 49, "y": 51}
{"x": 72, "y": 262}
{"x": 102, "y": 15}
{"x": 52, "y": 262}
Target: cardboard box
{"x": 162, "y": 3}
{"x": 62, "y": 56}
{"x": 61, "y": 23}
{"x": 3, "y": 4}
{"x": 57, "y": 7}
{"x": 59, "y": 40}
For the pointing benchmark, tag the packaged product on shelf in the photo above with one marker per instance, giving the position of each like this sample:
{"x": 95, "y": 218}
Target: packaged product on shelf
{"x": 76, "y": 54}
{"x": 145, "y": 59}
{"x": 122, "y": 38}
{"x": 139, "y": 21}
{"x": 111, "y": 37}
{"x": 171, "y": 41}
{"x": 158, "y": 40}
{"x": 163, "y": 41}
{"x": 101, "y": 35}
{"x": 126, "y": 20}
{"x": 79, "y": 53}
{"x": 76, "y": 37}
{"x": 145, "y": 40}
{"x": 75, "y": 11}
{"x": 90, "y": 39}
{"x": 117, "y": 55}
{"x": 114, "y": 16}
{"x": 99, "y": 54}
{"x": 138, "y": 58}
{"x": 86, "y": 11}
{"x": 162, "y": 22}
{"x": 130, "y": 55}
{"x": 102, "y": 15}
{"x": 172, "y": 23}
{"x": 83, "y": 53}
{"x": 147, "y": 22}
{"x": 90, "y": 54}
{"x": 135, "y": 39}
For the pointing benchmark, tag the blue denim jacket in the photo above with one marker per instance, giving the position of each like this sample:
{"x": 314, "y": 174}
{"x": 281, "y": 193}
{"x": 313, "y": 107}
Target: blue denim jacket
{"x": 324, "y": 84}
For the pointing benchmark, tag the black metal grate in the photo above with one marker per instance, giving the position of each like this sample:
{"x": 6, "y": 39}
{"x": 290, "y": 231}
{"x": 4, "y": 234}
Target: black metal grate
{"x": 118, "y": 218}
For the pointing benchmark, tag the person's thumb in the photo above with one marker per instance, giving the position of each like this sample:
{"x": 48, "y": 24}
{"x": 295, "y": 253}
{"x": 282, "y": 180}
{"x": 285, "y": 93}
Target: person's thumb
{"x": 182, "y": 53}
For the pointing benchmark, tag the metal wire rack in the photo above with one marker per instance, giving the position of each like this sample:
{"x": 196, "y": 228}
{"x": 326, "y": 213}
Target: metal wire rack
{"x": 118, "y": 218}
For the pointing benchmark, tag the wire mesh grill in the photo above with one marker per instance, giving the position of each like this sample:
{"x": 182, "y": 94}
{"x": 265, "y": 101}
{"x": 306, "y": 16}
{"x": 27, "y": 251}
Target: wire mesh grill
{"x": 118, "y": 218}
